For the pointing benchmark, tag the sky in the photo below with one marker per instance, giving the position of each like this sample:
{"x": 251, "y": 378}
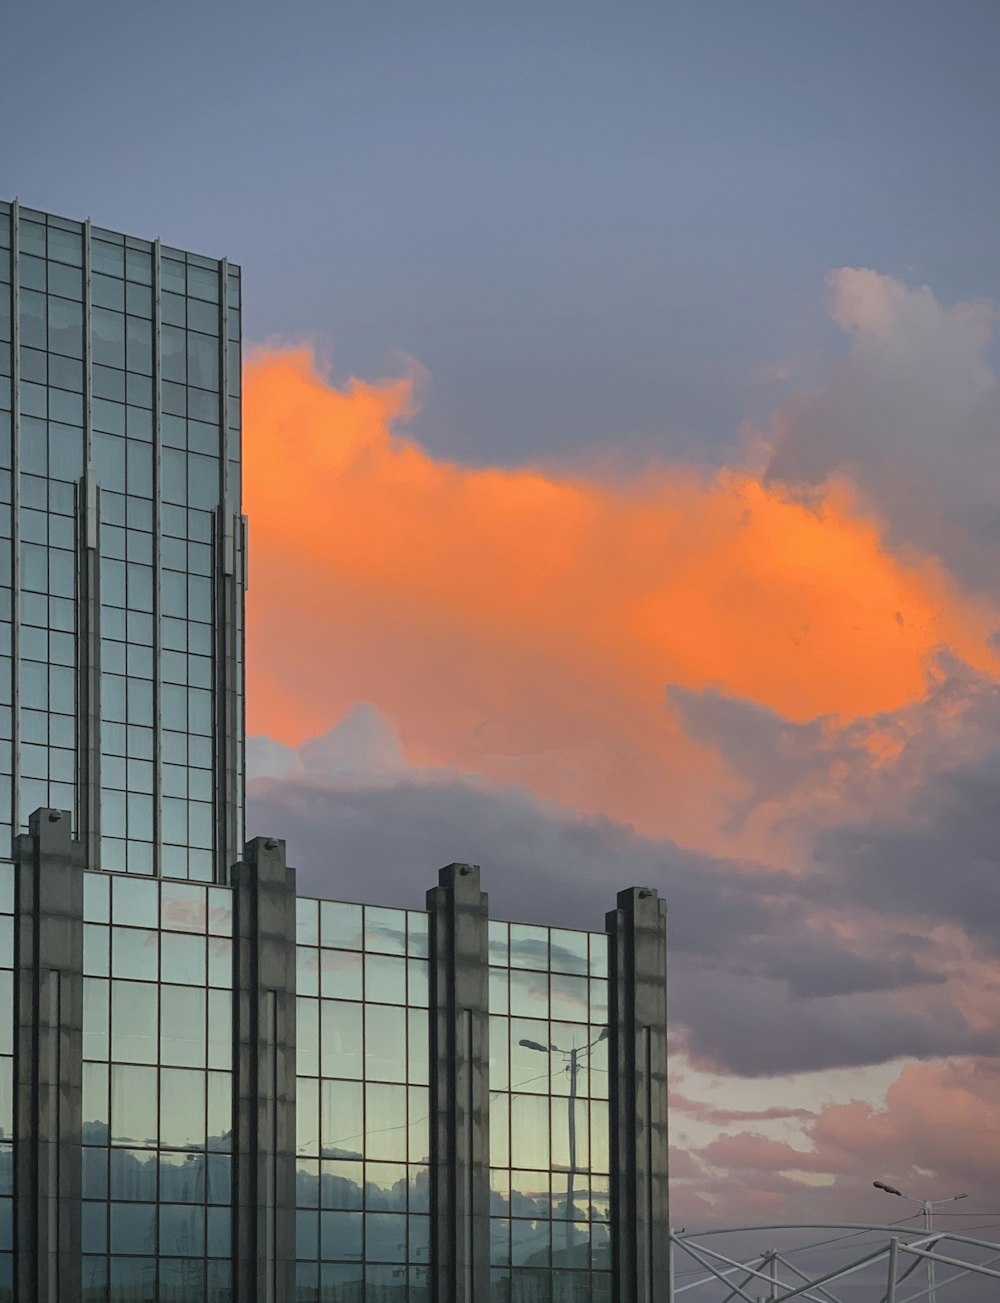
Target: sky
{"x": 621, "y": 457}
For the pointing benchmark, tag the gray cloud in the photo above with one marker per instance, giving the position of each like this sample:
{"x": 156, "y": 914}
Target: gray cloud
{"x": 762, "y": 982}
{"x": 911, "y": 416}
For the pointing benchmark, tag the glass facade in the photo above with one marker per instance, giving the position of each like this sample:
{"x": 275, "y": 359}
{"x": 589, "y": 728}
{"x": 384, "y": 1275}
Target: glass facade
{"x": 549, "y": 1115}
{"x": 362, "y": 1106}
{"x": 119, "y": 483}
{"x": 161, "y": 1053}
{"x": 157, "y": 1091}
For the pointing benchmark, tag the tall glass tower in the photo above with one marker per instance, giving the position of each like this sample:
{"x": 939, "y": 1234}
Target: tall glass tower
{"x": 122, "y": 545}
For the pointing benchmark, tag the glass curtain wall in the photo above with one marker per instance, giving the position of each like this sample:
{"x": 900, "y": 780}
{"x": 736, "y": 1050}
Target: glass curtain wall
{"x": 128, "y": 360}
{"x": 157, "y": 1091}
{"x": 362, "y": 1105}
{"x": 549, "y": 1115}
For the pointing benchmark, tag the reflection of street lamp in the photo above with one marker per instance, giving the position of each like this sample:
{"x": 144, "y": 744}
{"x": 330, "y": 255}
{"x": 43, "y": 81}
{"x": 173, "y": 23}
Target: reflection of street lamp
{"x": 927, "y": 1206}
{"x": 573, "y": 1068}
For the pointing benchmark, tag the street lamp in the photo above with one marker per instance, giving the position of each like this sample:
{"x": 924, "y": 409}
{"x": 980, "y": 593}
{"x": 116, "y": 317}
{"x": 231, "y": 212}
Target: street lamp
{"x": 927, "y": 1206}
{"x": 573, "y": 1067}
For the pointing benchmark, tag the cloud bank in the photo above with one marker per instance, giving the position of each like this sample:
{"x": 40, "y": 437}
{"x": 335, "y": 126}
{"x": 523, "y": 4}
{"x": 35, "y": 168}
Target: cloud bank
{"x": 770, "y": 691}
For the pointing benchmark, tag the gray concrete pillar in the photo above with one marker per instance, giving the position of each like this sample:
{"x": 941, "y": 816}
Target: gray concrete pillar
{"x": 460, "y": 1087}
{"x": 48, "y": 1054}
{"x": 264, "y": 1075}
{"x": 638, "y": 1060}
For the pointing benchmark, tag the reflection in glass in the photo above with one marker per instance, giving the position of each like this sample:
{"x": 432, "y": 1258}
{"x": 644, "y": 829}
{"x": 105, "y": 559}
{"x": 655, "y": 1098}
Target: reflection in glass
{"x": 598, "y": 954}
{"x": 219, "y": 1232}
{"x": 340, "y": 1235}
{"x": 184, "y": 906}
{"x": 220, "y": 1016}
{"x": 95, "y": 1173}
{"x": 340, "y": 925}
{"x": 420, "y": 1240}
{"x": 135, "y": 901}
{"x": 385, "y": 1043}
{"x": 133, "y": 1022}
{"x": 529, "y": 994}
{"x": 418, "y": 1052}
{"x": 385, "y": 1237}
{"x": 94, "y": 1231}
{"x": 529, "y": 946}
{"x": 96, "y": 898}
{"x": 342, "y": 1119}
{"x": 529, "y": 1243}
{"x": 569, "y": 951}
{"x": 600, "y": 1122}
{"x": 306, "y": 921}
{"x": 341, "y": 970}
{"x": 385, "y": 979}
{"x": 307, "y": 1116}
{"x": 341, "y": 1282}
{"x": 96, "y": 949}
{"x": 307, "y": 971}
{"x": 133, "y": 1174}
{"x": 598, "y": 1001}
{"x": 306, "y": 1234}
{"x": 182, "y": 1108}
{"x": 220, "y": 911}
{"x": 385, "y": 930}
{"x": 529, "y": 1056}
{"x": 341, "y": 1039}
{"x": 96, "y": 1018}
{"x": 133, "y": 1228}
{"x": 499, "y": 1059}
{"x": 417, "y": 933}
{"x": 182, "y": 1177}
{"x": 529, "y": 1194}
{"x": 133, "y": 1280}
{"x": 385, "y": 1187}
{"x": 529, "y": 1131}
{"x": 499, "y": 1132}
{"x": 342, "y": 1183}
{"x": 419, "y": 1142}
{"x": 220, "y": 1111}
{"x": 134, "y": 952}
{"x": 95, "y": 1103}
{"x": 385, "y": 1135}
{"x": 307, "y": 1037}
{"x": 498, "y": 943}
{"x": 182, "y": 1230}
{"x": 307, "y": 1182}
{"x": 220, "y": 961}
{"x": 184, "y": 958}
{"x": 499, "y": 1000}
{"x": 180, "y": 1278}
{"x": 570, "y": 1134}
{"x": 133, "y": 1105}
{"x": 569, "y": 997}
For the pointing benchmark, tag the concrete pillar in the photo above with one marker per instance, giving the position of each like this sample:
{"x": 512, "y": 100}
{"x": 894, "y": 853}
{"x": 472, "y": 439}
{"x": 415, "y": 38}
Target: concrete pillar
{"x": 264, "y": 1075}
{"x": 460, "y": 1087}
{"x": 48, "y": 1053}
{"x": 638, "y": 1061}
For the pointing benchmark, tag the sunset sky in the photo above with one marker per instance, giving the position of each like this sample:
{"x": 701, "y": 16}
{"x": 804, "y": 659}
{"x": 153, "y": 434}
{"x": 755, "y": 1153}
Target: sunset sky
{"x": 622, "y": 459}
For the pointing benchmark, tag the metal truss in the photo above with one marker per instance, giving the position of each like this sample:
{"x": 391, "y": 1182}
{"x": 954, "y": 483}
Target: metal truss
{"x": 831, "y": 1262}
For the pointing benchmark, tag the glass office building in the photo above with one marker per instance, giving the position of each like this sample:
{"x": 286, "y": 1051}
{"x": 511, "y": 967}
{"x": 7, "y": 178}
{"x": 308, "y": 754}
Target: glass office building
{"x": 121, "y": 545}
{"x": 216, "y": 1093}
{"x": 213, "y": 1090}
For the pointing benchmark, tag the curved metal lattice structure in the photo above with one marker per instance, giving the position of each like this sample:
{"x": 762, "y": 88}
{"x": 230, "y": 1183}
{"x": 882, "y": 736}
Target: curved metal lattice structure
{"x": 831, "y": 1262}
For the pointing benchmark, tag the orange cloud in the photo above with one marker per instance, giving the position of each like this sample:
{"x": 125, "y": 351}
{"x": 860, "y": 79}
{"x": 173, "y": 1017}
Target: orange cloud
{"x": 523, "y": 625}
